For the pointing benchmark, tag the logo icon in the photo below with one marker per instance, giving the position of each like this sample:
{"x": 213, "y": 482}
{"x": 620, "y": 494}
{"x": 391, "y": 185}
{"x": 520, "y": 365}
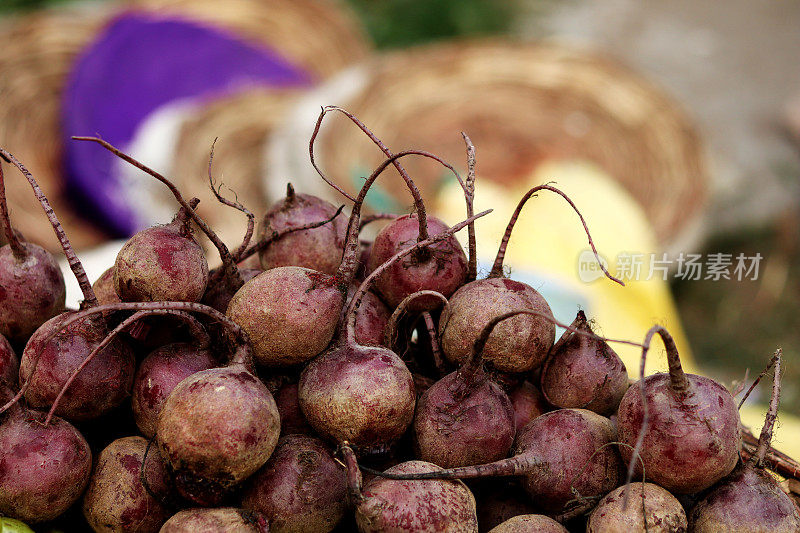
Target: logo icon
{"x": 588, "y": 268}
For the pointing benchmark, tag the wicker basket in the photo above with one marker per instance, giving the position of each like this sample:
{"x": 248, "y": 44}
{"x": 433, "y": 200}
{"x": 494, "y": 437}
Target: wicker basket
{"x": 521, "y": 104}
{"x": 39, "y": 51}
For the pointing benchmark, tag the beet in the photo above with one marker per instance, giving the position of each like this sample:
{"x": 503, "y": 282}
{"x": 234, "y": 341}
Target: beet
{"x": 32, "y": 287}
{"x": 319, "y": 249}
{"x": 192, "y": 262}
{"x": 584, "y": 372}
{"x": 530, "y": 523}
{"x": 290, "y": 313}
{"x": 54, "y": 353}
{"x": 361, "y": 394}
{"x": 116, "y": 499}
{"x": 9, "y": 364}
{"x": 688, "y": 431}
{"x": 518, "y": 345}
{"x": 441, "y": 268}
{"x": 371, "y": 319}
{"x": 43, "y": 468}
{"x": 162, "y": 263}
{"x": 465, "y": 418}
{"x": 410, "y": 506}
{"x": 161, "y": 371}
{"x": 663, "y": 511}
{"x": 104, "y": 289}
{"x": 301, "y": 488}
{"x": 217, "y": 428}
{"x": 750, "y": 499}
{"x": 225, "y": 519}
{"x": 528, "y": 403}
{"x": 571, "y": 442}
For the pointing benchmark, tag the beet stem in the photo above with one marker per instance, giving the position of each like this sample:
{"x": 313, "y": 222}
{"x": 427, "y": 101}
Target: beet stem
{"x": 419, "y": 206}
{"x": 513, "y": 466}
{"x": 758, "y": 379}
{"x": 193, "y": 323}
{"x": 217, "y": 190}
{"x": 390, "y": 333}
{"x": 772, "y": 414}
{"x": 89, "y": 299}
{"x": 364, "y": 287}
{"x": 469, "y": 196}
{"x": 436, "y": 349}
{"x": 375, "y": 216}
{"x": 351, "y": 254}
{"x": 17, "y": 249}
{"x": 229, "y": 265}
{"x": 497, "y": 269}
{"x": 354, "y": 479}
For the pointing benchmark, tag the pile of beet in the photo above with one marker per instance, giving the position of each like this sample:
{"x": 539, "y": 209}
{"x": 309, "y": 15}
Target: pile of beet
{"x": 318, "y": 381}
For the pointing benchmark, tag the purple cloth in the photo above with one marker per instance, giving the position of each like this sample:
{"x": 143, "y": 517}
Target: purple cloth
{"x": 135, "y": 66}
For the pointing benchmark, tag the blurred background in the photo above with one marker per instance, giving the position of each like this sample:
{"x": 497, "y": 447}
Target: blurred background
{"x": 675, "y": 127}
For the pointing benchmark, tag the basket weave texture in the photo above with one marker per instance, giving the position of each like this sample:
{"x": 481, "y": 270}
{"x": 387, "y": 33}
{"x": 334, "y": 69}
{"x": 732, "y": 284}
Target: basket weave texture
{"x": 40, "y": 49}
{"x": 521, "y": 104}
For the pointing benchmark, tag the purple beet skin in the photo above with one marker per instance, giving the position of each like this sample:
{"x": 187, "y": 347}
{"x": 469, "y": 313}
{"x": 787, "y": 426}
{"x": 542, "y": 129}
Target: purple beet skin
{"x": 409, "y": 506}
{"x": 319, "y": 248}
{"x": 301, "y": 488}
{"x": 9, "y": 364}
{"x": 116, "y": 499}
{"x": 518, "y": 344}
{"x": 43, "y": 469}
{"x": 158, "y": 374}
{"x": 102, "y": 385}
{"x": 227, "y": 519}
{"x": 32, "y": 291}
{"x": 441, "y": 268}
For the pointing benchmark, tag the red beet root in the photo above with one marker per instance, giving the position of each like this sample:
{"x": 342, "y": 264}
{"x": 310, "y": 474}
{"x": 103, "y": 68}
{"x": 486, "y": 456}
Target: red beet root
{"x": 441, "y": 268}
{"x": 410, "y": 506}
{"x": 9, "y": 364}
{"x": 217, "y": 428}
{"x": 649, "y": 508}
{"x": 518, "y": 345}
{"x": 53, "y": 354}
{"x": 465, "y": 418}
{"x": 161, "y": 371}
{"x": 750, "y": 499}
{"x": 104, "y": 289}
{"x": 687, "y": 433}
{"x": 292, "y": 419}
{"x": 32, "y": 288}
{"x": 528, "y": 404}
{"x": 162, "y": 263}
{"x": 530, "y": 523}
{"x": 225, "y": 519}
{"x": 584, "y": 372}
{"x": 301, "y": 488}
{"x": 318, "y": 249}
{"x": 43, "y": 469}
{"x": 116, "y": 499}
